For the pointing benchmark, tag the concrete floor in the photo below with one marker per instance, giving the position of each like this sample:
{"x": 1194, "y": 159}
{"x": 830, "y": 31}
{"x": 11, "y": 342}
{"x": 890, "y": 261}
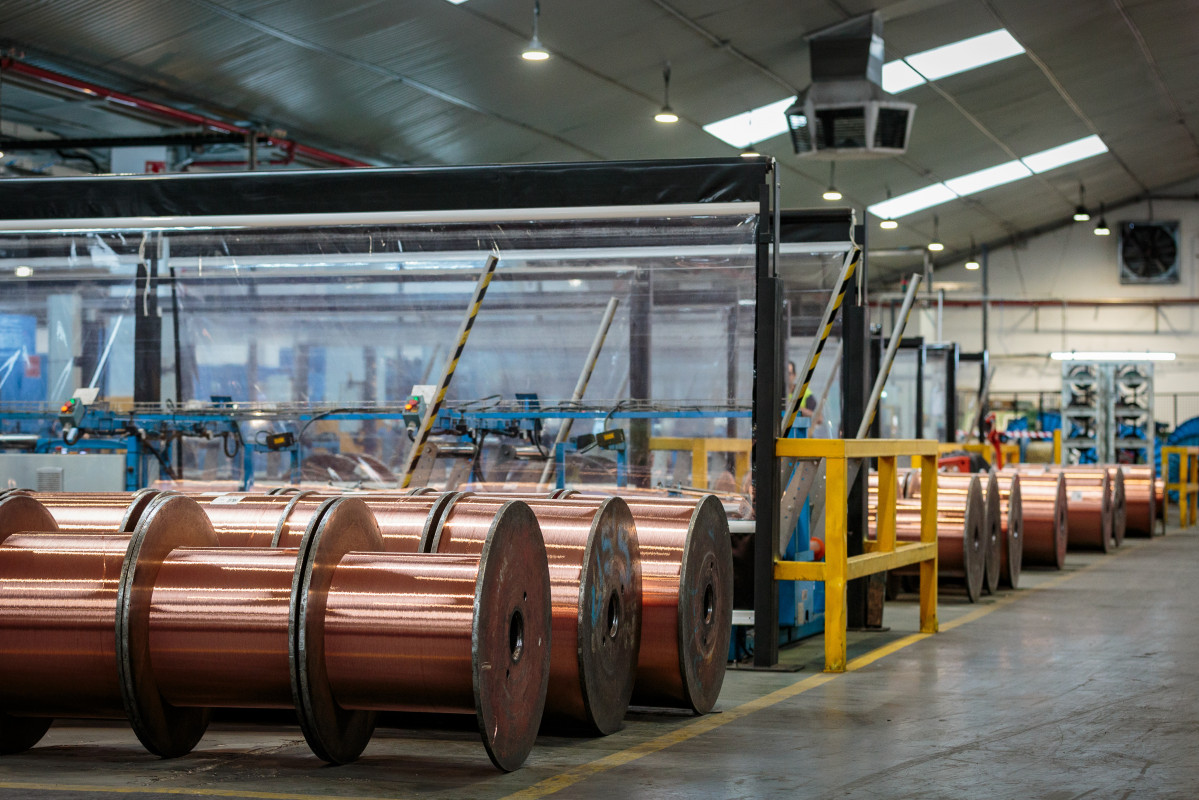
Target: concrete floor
{"x": 1082, "y": 683}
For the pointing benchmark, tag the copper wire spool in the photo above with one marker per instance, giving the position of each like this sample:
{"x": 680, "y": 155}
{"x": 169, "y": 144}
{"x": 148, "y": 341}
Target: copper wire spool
{"x": 448, "y": 633}
{"x": 1044, "y": 507}
{"x": 1140, "y": 500}
{"x": 596, "y": 582}
{"x": 74, "y": 614}
{"x": 110, "y": 511}
{"x": 1089, "y": 495}
{"x": 1011, "y": 526}
{"x": 961, "y": 531}
{"x": 687, "y": 601}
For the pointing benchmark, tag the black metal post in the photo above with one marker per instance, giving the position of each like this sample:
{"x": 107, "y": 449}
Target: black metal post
{"x": 767, "y": 413}
{"x": 147, "y": 331}
{"x": 855, "y": 391}
{"x": 641, "y": 306}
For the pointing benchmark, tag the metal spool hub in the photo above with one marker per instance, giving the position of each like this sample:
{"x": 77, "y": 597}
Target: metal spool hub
{"x": 992, "y": 533}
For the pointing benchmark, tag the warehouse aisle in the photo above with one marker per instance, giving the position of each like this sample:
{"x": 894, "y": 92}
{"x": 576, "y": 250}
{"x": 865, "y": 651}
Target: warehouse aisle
{"x": 1076, "y": 688}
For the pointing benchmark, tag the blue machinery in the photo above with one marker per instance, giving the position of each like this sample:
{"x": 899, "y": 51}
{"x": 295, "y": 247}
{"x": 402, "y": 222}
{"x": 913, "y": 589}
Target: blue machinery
{"x": 146, "y": 436}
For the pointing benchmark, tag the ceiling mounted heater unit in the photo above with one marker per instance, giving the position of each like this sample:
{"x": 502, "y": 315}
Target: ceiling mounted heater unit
{"x": 845, "y": 113}
{"x": 1149, "y": 252}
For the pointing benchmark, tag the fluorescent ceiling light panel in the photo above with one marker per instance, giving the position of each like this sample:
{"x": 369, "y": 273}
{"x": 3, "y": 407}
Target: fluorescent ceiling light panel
{"x": 753, "y": 126}
{"x": 912, "y": 202}
{"x": 988, "y": 178}
{"x": 1065, "y": 154}
{"x": 456, "y": 2}
{"x": 899, "y": 77}
{"x": 1110, "y": 355}
{"x": 963, "y": 56}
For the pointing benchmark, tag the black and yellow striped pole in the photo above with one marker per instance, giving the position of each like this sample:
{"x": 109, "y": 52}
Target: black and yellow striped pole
{"x": 426, "y": 424}
{"x": 852, "y": 259}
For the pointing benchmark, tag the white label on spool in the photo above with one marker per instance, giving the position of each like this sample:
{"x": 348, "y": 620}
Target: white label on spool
{"x": 226, "y": 500}
{"x": 1076, "y": 495}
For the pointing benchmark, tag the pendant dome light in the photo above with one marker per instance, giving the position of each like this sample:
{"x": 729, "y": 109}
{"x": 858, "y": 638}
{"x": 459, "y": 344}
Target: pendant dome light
{"x": 536, "y": 50}
{"x": 666, "y": 113}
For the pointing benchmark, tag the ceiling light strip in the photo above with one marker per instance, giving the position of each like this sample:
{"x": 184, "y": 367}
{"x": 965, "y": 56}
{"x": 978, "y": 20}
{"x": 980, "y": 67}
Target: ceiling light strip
{"x": 988, "y": 178}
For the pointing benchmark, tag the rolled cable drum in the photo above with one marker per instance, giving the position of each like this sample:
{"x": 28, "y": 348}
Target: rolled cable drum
{"x": 993, "y": 530}
{"x": 961, "y": 531}
{"x": 1140, "y": 500}
{"x": 596, "y": 583}
{"x": 249, "y": 628}
{"x": 74, "y": 626}
{"x": 1044, "y": 506}
{"x": 687, "y": 597}
{"x": 1089, "y": 496}
{"x": 464, "y": 633}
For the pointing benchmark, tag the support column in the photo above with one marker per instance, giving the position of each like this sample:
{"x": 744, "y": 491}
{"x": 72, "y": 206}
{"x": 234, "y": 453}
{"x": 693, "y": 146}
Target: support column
{"x": 641, "y": 306}
{"x": 855, "y": 391}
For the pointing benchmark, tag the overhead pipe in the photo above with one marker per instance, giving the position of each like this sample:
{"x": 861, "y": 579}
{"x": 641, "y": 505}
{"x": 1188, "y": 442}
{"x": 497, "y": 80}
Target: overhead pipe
{"x": 141, "y": 104}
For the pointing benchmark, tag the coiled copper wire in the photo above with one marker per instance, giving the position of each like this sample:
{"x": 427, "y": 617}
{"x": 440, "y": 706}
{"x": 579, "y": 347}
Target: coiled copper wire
{"x": 961, "y": 530}
{"x": 1089, "y": 499}
{"x": 596, "y": 583}
{"x": 1044, "y": 507}
{"x": 218, "y": 627}
{"x": 243, "y": 519}
{"x": 1011, "y": 525}
{"x": 1140, "y": 500}
{"x": 254, "y": 520}
{"x": 109, "y": 511}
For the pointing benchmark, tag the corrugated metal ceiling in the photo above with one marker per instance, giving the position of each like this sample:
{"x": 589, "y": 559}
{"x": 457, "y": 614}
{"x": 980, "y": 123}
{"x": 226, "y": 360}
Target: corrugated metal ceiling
{"x": 424, "y": 81}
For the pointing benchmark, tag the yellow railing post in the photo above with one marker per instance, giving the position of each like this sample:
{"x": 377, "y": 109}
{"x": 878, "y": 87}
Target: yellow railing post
{"x": 836, "y": 556}
{"x": 928, "y": 533}
{"x": 888, "y": 492}
{"x": 1057, "y": 446}
{"x": 699, "y": 463}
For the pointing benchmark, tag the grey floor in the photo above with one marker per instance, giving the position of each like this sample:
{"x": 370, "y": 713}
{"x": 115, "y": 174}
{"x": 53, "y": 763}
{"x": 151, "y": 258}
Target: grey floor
{"x": 1083, "y": 684}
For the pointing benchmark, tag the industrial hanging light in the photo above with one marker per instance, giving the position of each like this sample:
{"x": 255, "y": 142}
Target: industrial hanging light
{"x": 831, "y": 192}
{"x": 666, "y": 113}
{"x": 935, "y": 245}
{"x": 1101, "y": 229}
{"x": 536, "y": 50}
{"x": 1080, "y": 211}
{"x": 972, "y": 262}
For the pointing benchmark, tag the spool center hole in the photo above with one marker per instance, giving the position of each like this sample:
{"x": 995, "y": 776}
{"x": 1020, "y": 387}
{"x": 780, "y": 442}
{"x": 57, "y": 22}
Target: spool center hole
{"x": 613, "y": 614}
{"x": 516, "y": 635}
{"x": 709, "y": 604}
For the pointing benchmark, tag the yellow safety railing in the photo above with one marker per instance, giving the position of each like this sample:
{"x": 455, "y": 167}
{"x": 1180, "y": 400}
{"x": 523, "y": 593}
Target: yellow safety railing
{"x": 699, "y": 450}
{"x": 884, "y": 553}
{"x": 1187, "y": 484}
